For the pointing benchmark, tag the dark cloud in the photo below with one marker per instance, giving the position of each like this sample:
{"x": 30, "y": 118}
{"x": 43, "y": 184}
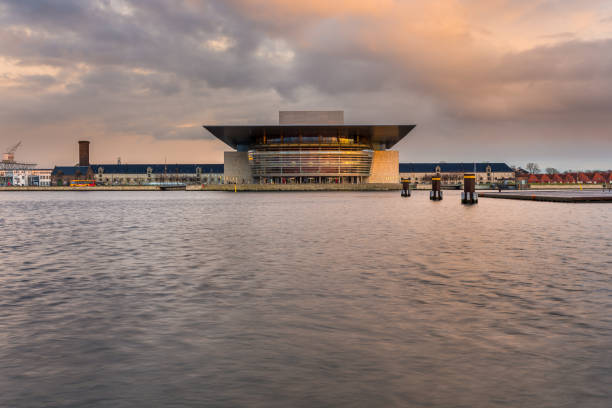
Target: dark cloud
{"x": 157, "y": 68}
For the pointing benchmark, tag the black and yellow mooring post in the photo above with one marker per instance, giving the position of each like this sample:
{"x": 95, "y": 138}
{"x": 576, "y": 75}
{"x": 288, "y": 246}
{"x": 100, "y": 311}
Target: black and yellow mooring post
{"x": 405, "y": 188}
{"x": 436, "y": 192}
{"x": 469, "y": 195}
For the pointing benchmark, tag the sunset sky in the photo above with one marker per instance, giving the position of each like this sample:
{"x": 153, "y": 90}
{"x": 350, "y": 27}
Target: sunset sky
{"x": 487, "y": 80}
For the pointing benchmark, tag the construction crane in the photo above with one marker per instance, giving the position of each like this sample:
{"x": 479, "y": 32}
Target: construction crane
{"x": 8, "y": 160}
{"x": 9, "y": 155}
{"x": 13, "y": 149}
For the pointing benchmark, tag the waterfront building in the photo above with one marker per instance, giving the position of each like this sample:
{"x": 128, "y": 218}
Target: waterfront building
{"x": 533, "y": 178}
{"x": 17, "y": 173}
{"x": 141, "y": 174}
{"x": 63, "y": 175}
{"x": 311, "y": 147}
{"x": 597, "y": 177}
{"x": 452, "y": 173}
{"x": 25, "y": 177}
{"x": 556, "y": 179}
{"x": 135, "y": 174}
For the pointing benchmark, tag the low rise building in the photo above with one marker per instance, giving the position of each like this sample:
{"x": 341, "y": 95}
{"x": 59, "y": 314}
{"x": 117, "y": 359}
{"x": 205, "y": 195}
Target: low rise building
{"x": 597, "y": 177}
{"x": 64, "y": 175}
{"x": 452, "y": 173}
{"x": 141, "y": 174}
{"x": 25, "y": 177}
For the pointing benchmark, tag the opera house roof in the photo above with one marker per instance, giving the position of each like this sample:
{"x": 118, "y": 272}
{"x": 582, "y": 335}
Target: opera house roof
{"x": 387, "y": 135}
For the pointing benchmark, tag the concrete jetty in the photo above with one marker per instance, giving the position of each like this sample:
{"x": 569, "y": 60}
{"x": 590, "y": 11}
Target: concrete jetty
{"x": 554, "y": 196}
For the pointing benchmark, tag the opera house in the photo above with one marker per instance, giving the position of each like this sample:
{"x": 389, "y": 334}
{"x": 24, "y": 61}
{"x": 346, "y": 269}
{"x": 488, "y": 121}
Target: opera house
{"x": 311, "y": 147}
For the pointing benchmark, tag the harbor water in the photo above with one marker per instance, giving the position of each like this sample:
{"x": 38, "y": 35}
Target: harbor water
{"x": 222, "y": 299}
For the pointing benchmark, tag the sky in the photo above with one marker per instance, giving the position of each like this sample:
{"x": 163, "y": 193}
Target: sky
{"x": 484, "y": 80}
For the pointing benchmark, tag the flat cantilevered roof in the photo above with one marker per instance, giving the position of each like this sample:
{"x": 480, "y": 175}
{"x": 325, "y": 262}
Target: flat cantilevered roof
{"x": 387, "y": 135}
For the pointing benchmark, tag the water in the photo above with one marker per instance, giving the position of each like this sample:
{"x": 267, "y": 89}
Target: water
{"x": 185, "y": 299}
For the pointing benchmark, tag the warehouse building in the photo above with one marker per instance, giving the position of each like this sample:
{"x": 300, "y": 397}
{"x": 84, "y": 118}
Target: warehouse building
{"x": 135, "y": 174}
{"x": 141, "y": 174}
{"x": 452, "y": 173}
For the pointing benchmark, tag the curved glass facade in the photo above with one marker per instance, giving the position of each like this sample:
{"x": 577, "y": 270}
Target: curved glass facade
{"x": 337, "y": 162}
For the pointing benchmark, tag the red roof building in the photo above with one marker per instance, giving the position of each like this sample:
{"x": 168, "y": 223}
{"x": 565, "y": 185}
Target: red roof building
{"x": 583, "y": 178}
{"x": 598, "y": 178}
{"x": 533, "y": 178}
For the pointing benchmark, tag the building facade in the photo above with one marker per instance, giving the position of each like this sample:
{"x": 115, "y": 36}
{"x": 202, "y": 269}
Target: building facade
{"x": 142, "y": 174}
{"x": 135, "y": 174}
{"x": 139, "y": 174}
{"x": 311, "y": 147}
{"x": 64, "y": 175}
{"x": 452, "y": 173}
{"x": 25, "y": 177}
{"x": 595, "y": 177}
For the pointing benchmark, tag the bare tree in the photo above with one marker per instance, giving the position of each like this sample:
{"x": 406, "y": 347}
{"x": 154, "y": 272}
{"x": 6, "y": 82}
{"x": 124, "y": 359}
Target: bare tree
{"x": 551, "y": 170}
{"x": 532, "y": 168}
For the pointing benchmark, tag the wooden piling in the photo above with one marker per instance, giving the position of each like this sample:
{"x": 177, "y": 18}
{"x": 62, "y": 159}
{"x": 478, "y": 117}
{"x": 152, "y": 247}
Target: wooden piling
{"x": 405, "y": 188}
{"x": 436, "y": 191}
{"x": 469, "y": 195}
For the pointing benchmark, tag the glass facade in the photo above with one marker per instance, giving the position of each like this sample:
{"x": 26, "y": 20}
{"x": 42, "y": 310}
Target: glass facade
{"x": 311, "y": 165}
{"x": 311, "y": 155}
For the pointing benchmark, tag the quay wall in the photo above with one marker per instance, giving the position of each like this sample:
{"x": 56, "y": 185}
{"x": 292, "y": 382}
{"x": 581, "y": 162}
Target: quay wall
{"x": 565, "y": 186}
{"x": 96, "y": 188}
{"x": 226, "y": 187}
{"x": 300, "y": 187}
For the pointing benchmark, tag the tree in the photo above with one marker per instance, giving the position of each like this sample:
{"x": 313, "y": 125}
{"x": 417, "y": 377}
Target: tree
{"x": 533, "y": 168}
{"x": 551, "y": 170}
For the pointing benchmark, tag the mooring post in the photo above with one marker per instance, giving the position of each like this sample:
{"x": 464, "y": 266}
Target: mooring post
{"x": 436, "y": 192}
{"x": 469, "y": 195}
{"x": 405, "y": 188}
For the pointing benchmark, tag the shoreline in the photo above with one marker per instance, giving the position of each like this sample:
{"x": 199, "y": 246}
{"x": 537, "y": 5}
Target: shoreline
{"x": 225, "y": 187}
{"x": 288, "y": 187}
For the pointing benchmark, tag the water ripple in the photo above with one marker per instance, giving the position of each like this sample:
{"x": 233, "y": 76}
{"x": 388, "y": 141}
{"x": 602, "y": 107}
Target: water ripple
{"x": 323, "y": 299}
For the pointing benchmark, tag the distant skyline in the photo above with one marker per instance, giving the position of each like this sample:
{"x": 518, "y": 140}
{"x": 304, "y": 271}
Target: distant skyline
{"x": 512, "y": 81}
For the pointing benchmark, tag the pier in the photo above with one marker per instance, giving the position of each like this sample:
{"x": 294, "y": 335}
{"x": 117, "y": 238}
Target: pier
{"x": 554, "y": 196}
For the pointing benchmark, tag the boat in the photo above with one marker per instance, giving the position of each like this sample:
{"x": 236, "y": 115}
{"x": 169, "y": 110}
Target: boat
{"x": 172, "y": 186}
{"x": 168, "y": 185}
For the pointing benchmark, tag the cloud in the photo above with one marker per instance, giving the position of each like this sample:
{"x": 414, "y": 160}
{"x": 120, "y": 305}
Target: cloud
{"x": 489, "y": 72}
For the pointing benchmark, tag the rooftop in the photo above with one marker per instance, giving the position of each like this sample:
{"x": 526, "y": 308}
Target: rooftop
{"x": 233, "y": 136}
{"x": 141, "y": 169}
{"x": 453, "y": 167}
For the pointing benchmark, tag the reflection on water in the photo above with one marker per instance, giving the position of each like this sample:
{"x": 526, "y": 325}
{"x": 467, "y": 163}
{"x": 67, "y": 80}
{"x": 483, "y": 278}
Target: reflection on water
{"x": 112, "y": 299}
